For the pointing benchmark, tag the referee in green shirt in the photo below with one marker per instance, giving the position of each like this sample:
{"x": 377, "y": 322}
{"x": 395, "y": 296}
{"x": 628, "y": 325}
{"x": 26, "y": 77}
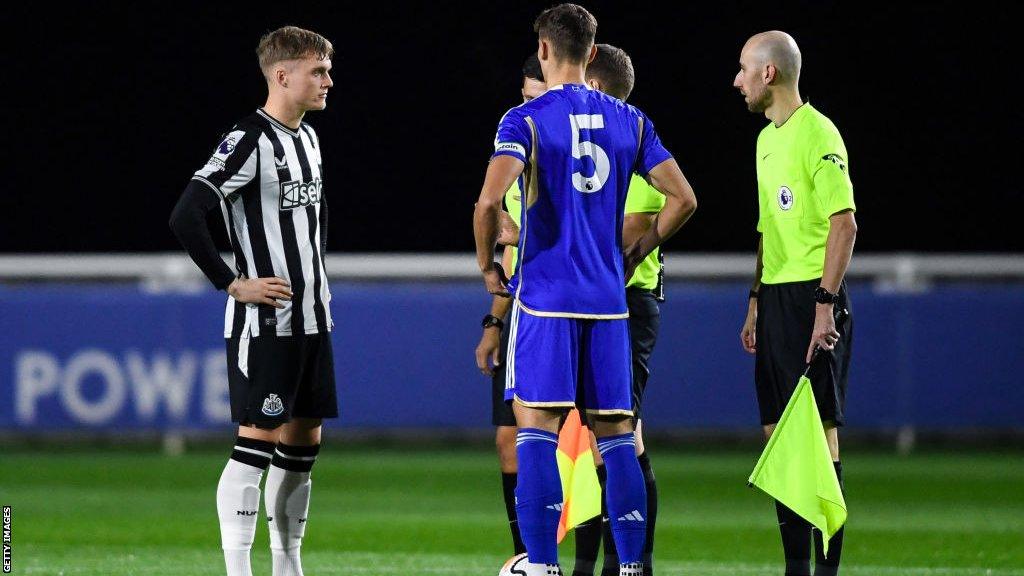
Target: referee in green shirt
{"x": 807, "y": 232}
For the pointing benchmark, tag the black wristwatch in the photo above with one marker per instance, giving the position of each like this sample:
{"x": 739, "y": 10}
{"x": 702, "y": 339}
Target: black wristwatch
{"x": 823, "y": 296}
{"x": 492, "y": 320}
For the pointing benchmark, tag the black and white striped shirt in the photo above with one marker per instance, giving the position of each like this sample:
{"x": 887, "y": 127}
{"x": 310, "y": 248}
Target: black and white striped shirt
{"x": 270, "y": 180}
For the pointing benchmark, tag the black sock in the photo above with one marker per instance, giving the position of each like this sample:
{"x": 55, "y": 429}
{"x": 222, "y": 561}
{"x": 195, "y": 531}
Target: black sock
{"x": 652, "y": 512}
{"x": 796, "y": 541}
{"x": 508, "y": 487}
{"x": 830, "y": 566}
{"x": 611, "y": 557}
{"x": 588, "y": 542}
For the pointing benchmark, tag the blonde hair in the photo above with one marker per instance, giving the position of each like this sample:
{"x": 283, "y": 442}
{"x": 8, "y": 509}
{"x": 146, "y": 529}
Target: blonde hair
{"x": 291, "y": 43}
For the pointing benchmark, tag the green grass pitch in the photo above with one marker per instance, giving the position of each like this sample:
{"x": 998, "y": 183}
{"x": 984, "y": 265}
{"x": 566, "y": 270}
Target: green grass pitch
{"x": 407, "y": 512}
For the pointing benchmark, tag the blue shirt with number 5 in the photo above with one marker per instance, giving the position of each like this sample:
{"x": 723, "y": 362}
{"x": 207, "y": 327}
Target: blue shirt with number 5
{"x": 580, "y": 147}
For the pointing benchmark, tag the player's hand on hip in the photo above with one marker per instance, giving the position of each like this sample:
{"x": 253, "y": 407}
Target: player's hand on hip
{"x": 825, "y": 334}
{"x": 748, "y": 335}
{"x": 260, "y": 291}
{"x": 508, "y": 231}
{"x": 487, "y": 350}
{"x": 631, "y": 258}
{"x": 496, "y": 282}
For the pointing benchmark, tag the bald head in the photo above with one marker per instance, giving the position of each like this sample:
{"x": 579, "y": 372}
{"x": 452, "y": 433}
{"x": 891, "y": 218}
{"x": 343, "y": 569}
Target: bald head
{"x": 778, "y": 49}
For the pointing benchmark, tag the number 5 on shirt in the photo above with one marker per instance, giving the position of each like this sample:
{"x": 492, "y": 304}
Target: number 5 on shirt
{"x": 588, "y": 184}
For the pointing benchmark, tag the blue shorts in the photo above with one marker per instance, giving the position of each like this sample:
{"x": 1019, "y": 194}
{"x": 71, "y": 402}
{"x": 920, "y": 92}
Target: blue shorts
{"x": 556, "y": 362}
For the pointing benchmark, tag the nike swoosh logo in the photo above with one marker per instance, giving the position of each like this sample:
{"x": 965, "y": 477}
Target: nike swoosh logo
{"x": 281, "y": 161}
{"x": 765, "y": 157}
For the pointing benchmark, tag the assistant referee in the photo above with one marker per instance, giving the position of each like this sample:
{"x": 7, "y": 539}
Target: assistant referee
{"x": 807, "y": 227}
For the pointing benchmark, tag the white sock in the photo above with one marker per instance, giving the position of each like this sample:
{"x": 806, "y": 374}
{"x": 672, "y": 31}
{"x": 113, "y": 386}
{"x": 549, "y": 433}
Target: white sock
{"x": 238, "y": 504}
{"x": 287, "y": 501}
{"x": 237, "y": 562}
{"x": 286, "y": 562}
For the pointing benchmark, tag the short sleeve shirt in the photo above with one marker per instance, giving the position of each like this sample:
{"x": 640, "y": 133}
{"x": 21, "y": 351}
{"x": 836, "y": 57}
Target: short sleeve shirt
{"x": 803, "y": 178}
{"x": 581, "y": 148}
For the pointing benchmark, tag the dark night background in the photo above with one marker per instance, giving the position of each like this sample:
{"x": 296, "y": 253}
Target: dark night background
{"x": 112, "y": 108}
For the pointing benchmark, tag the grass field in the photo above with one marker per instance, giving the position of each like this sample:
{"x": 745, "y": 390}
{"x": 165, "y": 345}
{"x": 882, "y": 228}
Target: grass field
{"x": 393, "y": 512}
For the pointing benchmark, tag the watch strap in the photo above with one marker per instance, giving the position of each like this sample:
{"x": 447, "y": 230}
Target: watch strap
{"x": 492, "y": 320}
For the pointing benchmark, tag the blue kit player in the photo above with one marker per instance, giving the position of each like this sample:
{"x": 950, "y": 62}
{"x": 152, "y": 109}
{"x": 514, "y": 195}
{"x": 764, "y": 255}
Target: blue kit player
{"x": 573, "y": 151}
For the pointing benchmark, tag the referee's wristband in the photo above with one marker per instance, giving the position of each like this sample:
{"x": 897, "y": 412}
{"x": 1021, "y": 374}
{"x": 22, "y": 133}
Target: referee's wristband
{"x": 753, "y": 294}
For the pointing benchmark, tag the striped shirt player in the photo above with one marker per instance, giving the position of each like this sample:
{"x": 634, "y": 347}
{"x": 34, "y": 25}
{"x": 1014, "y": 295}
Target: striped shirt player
{"x": 266, "y": 176}
{"x": 268, "y": 181}
{"x": 270, "y": 178}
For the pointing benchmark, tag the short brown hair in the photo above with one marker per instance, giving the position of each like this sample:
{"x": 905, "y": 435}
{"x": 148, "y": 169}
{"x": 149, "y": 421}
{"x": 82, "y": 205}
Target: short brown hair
{"x": 570, "y": 29}
{"x": 291, "y": 43}
{"x": 614, "y": 69}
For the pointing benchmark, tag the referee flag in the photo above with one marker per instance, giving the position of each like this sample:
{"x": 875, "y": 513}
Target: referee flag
{"x": 580, "y": 489}
{"x": 796, "y": 466}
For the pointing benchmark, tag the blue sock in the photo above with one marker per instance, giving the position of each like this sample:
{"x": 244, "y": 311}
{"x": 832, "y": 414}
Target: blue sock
{"x": 538, "y": 494}
{"x": 626, "y": 496}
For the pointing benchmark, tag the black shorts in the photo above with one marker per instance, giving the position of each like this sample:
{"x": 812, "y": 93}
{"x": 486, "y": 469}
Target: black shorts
{"x": 785, "y": 320}
{"x": 644, "y": 321}
{"x": 501, "y": 411}
{"x": 278, "y": 378}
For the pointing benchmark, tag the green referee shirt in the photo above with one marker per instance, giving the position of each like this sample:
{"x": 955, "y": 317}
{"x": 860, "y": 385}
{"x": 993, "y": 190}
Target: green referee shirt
{"x": 640, "y": 198}
{"x": 514, "y": 206}
{"x": 802, "y": 179}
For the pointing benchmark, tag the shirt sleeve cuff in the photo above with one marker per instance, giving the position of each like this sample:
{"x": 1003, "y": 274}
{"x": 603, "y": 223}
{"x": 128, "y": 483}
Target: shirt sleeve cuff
{"x": 223, "y": 280}
{"x": 654, "y": 160}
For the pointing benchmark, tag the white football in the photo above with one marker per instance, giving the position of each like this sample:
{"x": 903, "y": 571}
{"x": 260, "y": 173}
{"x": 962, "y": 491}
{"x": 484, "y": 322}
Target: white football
{"x": 514, "y": 566}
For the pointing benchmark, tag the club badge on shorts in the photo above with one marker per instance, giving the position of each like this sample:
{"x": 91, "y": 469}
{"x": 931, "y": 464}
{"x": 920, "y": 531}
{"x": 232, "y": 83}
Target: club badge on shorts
{"x": 785, "y": 198}
{"x": 273, "y": 406}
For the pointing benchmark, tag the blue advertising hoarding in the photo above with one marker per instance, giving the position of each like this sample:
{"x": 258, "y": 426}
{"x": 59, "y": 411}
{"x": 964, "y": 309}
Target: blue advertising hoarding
{"x": 118, "y": 358}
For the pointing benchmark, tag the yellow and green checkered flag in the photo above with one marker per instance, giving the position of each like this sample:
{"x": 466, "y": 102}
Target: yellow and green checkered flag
{"x": 796, "y": 466}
